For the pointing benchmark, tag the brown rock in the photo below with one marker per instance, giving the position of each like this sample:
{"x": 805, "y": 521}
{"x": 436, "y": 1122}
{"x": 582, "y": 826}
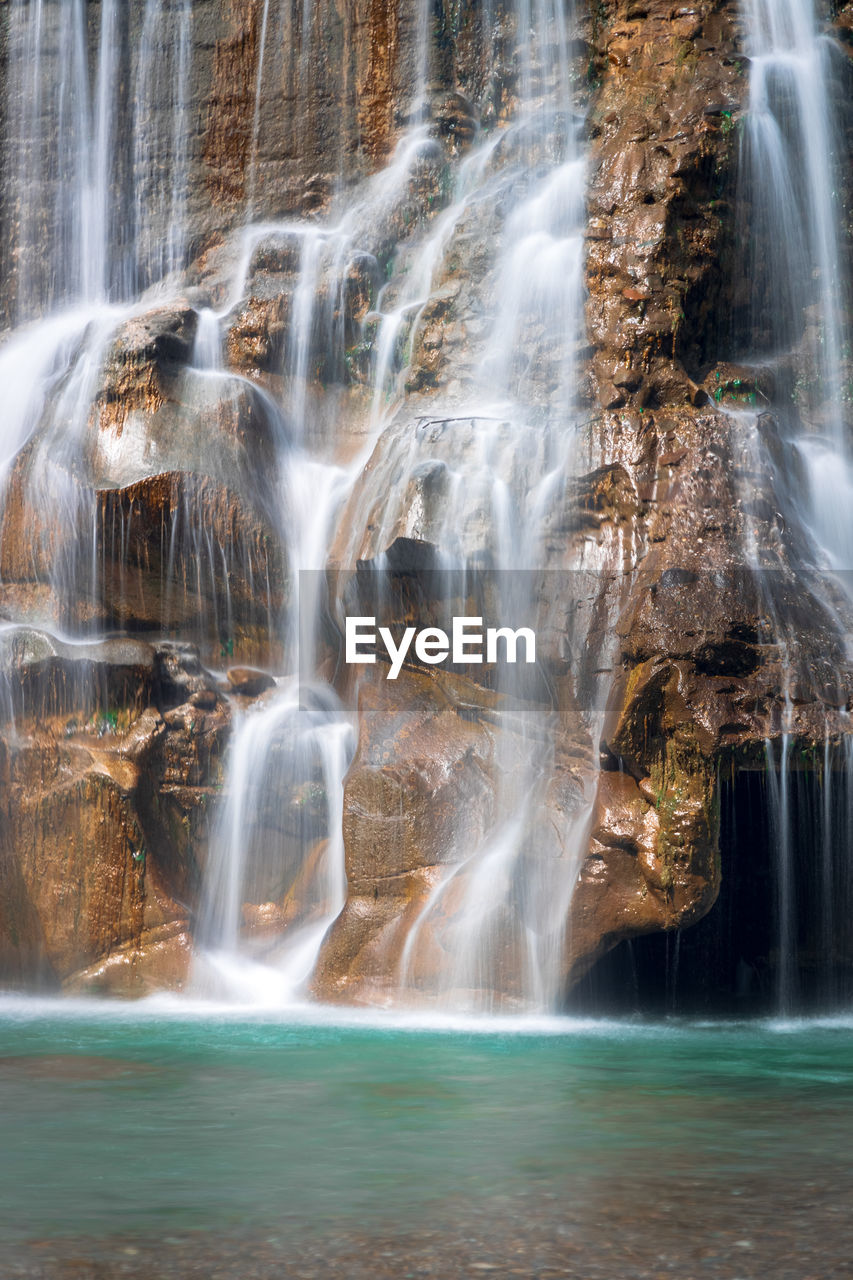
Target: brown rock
{"x": 159, "y": 961}
{"x": 104, "y": 814}
{"x": 248, "y": 682}
{"x": 418, "y": 793}
{"x": 659, "y": 167}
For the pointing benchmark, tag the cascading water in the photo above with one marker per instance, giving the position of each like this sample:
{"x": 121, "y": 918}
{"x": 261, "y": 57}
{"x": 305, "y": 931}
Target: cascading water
{"x": 297, "y": 333}
{"x": 791, "y": 166}
{"x": 59, "y": 175}
{"x": 797, "y": 322}
{"x": 507, "y": 455}
{"x": 109, "y": 181}
{"x": 101, "y": 179}
{"x": 492, "y": 927}
{"x": 429, "y": 317}
{"x": 160, "y": 160}
{"x": 280, "y": 841}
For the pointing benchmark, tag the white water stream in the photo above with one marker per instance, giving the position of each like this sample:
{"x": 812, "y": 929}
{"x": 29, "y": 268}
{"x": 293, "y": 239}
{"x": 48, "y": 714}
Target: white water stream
{"x": 791, "y": 177}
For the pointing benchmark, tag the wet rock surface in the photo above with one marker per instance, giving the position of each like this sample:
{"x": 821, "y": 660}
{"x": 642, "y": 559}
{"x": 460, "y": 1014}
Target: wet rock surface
{"x": 712, "y": 661}
{"x": 665, "y": 133}
{"x": 110, "y": 781}
{"x": 333, "y": 86}
{"x": 155, "y": 509}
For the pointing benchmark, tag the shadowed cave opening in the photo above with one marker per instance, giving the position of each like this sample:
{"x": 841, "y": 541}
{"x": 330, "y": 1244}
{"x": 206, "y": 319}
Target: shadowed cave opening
{"x": 733, "y": 962}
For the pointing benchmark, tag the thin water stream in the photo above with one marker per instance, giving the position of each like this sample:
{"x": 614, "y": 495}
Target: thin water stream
{"x": 791, "y": 157}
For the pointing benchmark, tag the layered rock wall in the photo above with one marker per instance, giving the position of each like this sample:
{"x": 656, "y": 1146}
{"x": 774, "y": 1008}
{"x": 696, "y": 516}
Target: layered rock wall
{"x": 111, "y": 763}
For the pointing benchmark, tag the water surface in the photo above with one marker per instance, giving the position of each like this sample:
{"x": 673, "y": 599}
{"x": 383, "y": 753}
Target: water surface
{"x": 137, "y": 1132}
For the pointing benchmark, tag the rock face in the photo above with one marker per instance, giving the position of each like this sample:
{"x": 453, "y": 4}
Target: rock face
{"x": 145, "y": 496}
{"x": 664, "y": 126}
{"x": 112, "y": 773}
{"x": 111, "y": 766}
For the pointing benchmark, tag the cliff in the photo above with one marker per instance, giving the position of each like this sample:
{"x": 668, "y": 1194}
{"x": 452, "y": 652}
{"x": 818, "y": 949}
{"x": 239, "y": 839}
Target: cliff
{"x": 165, "y": 524}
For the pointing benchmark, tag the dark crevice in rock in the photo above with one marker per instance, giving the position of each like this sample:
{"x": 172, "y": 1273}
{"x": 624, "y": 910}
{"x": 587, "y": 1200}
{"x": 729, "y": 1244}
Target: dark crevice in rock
{"x": 730, "y": 962}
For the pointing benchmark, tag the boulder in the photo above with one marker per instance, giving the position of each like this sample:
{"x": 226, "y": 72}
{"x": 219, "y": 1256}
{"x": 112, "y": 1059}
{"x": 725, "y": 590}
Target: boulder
{"x": 107, "y": 798}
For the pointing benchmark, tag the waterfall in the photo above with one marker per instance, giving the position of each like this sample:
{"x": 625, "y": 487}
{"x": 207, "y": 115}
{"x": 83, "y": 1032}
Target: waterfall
{"x": 279, "y": 840}
{"x": 207, "y": 349}
{"x": 507, "y": 460}
{"x": 779, "y": 777}
{"x": 256, "y": 115}
{"x": 250, "y": 395}
{"x": 790, "y": 169}
{"x": 103, "y": 176}
{"x": 100, "y": 183}
{"x": 54, "y": 171}
{"x": 502, "y": 898}
{"x": 790, "y": 163}
{"x": 100, "y": 180}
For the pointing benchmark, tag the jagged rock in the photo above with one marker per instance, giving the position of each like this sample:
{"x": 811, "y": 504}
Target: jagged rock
{"x": 659, "y": 198}
{"x": 154, "y": 413}
{"x": 180, "y": 675}
{"x": 105, "y": 811}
